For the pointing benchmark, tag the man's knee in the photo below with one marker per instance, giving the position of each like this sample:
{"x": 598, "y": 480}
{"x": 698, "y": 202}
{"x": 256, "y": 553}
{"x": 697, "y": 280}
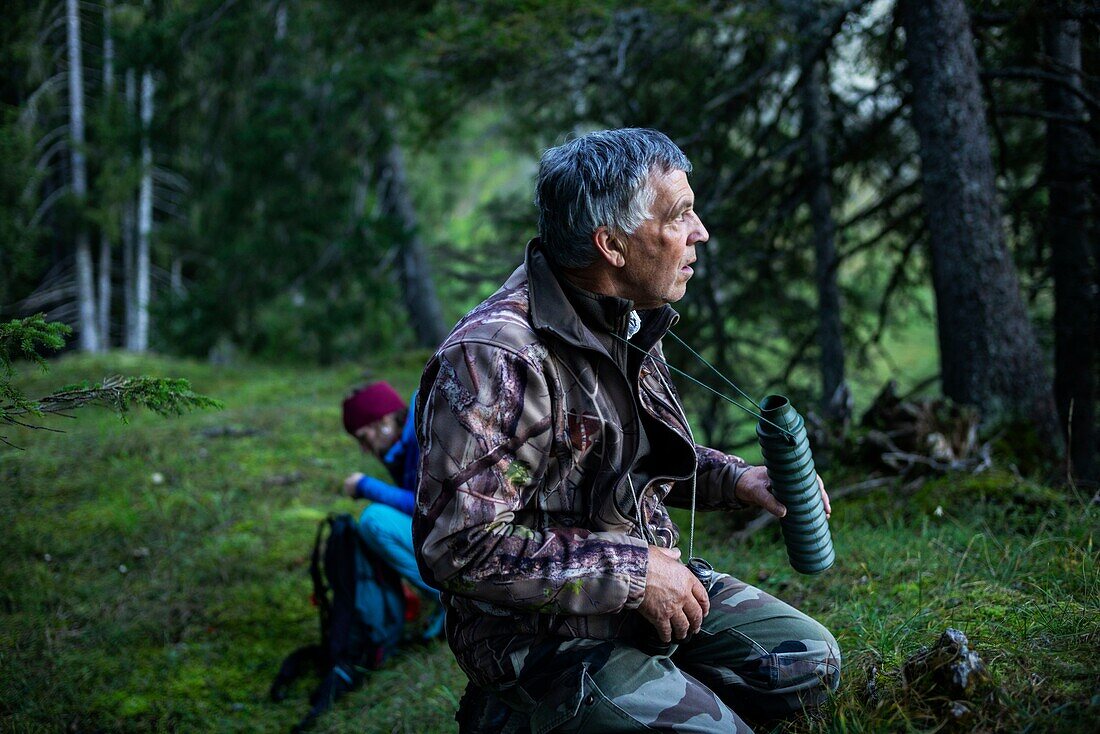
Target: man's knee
{"x": 765, "y": 642}
{"x": 810, "y": 656}
{"x": 603, "y": 686}
{"x": 794, "y": 666}
{"x": 834, "y": 661}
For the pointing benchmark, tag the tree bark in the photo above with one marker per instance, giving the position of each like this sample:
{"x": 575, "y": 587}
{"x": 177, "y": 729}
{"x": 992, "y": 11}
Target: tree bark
{"x": 129, "y": 230}
{"x": 989, "y": 355}
{"x": 88, "y": 325}
{"x": 1072, "y": 268}
{"x": 144, "y": 221}
{"x": 104, "y": 305}
{"x": 417, "y": 285}
{"x": 815, "y": 132}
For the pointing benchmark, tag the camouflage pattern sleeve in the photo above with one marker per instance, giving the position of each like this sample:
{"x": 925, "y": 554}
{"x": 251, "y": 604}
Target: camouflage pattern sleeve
{"x": 715, "y": 478}
{"x": 716, "y": 475}
{"x": 486, "y": 440}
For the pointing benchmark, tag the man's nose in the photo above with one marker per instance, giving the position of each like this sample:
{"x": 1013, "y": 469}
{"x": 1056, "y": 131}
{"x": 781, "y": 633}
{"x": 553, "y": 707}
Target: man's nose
{"x": 701, "y": 234}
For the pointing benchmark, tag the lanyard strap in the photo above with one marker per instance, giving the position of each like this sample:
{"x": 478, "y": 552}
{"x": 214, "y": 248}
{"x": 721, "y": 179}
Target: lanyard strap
{"x": 787, "y": 433}
{"x": 727, "y": 398}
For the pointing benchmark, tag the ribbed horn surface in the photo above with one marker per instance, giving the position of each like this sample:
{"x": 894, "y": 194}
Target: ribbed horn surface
{"x": 794, "y": 482}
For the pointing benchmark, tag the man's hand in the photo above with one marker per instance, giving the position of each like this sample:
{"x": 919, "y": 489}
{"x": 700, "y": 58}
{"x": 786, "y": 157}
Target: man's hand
{"x": 755, "y": 488}
{"x": 674, "y": 602}
{"x": 351, "y": 484}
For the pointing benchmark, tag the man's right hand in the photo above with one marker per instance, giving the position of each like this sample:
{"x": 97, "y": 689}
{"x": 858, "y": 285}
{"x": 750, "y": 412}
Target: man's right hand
{"x": 674, "y": 602}
{"x": 351, "y": 484}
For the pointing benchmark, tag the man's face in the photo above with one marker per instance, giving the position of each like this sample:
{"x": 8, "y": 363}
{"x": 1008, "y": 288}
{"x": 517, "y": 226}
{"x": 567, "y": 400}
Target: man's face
{"x": 660, "y": 252}
{"x": 378, "y": 437}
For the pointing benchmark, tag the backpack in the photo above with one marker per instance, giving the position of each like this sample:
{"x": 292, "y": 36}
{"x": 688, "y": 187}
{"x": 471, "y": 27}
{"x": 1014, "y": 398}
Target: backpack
{"x": 362, "y": 613}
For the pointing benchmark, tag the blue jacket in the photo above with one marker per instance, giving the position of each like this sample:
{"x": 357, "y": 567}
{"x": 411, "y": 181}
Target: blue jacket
{"x": 401, "y": 460}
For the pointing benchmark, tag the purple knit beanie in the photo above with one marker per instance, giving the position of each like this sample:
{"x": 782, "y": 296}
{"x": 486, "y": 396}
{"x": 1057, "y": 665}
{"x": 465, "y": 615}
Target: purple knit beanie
{"x": 370, "y": 403}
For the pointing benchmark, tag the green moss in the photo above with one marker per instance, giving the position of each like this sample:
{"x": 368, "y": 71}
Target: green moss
{"x": 215, "y": 592}
{"x": 996, "y": 490}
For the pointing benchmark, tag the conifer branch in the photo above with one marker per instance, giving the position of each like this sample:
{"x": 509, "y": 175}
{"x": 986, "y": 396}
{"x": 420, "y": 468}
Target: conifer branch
{"x": 28, "y": 338}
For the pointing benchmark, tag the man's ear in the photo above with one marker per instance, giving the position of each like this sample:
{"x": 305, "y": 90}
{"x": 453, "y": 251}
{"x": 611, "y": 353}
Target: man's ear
{"x": 610, "y": 246}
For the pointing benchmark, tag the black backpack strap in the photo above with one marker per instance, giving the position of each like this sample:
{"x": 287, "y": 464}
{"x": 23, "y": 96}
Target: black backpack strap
{"x": 293, "y": 667}
{"x": 335, "y": 684}
{"x": 320, "y": 588}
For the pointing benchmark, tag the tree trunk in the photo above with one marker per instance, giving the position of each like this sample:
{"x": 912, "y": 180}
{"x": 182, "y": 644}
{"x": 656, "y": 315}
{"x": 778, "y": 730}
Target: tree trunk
{"x": 417, "y": 286}
{"x": 1074, "y": 273}
{"x": 104, "y": 240}
{"x": 103, "y": 308}
{"x": 815, "y": 131}
{"x": 88, "y": 326}
{"x": 129, "y": 229}
{"x": 989, "y": 356}
{"x": 144, "y": 220}
{"x": 715, "y": 416}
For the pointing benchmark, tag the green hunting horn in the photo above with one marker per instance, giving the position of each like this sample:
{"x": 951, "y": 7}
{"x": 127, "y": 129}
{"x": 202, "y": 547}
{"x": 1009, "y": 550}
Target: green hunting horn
{"x": 786, "y": 449}
{"x": 791, "y": 470}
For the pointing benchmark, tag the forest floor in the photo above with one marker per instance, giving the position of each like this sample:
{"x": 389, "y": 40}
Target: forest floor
{"x": 154, "y": 574}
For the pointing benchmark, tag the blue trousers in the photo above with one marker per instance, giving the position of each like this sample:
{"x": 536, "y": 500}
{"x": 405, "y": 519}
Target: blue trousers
{"x": 388, "y": 532}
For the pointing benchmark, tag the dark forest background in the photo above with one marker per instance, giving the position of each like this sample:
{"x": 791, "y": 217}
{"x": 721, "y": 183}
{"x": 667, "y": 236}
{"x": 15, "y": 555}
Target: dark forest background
{"x": 321, "y": 181}
{"x": 277, "y": 199}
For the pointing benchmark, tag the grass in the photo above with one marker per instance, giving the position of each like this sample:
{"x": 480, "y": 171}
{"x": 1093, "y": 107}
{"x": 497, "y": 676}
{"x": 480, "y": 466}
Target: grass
{"x": 154, "y": 574}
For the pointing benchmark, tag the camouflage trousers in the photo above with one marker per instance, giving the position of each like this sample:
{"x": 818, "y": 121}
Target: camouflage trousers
{"x": 755, "y": 657}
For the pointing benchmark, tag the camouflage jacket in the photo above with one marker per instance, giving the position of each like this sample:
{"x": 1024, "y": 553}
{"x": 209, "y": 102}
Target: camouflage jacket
{"x": 526, "y": 518}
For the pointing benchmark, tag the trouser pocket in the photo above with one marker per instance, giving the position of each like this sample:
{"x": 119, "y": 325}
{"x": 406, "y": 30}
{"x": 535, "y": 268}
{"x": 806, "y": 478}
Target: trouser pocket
{"x": 576, "y": 704}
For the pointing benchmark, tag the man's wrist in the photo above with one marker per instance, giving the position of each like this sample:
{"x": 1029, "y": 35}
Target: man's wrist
{"x": 636, "y": 581}
{"x": 738, "y": 471}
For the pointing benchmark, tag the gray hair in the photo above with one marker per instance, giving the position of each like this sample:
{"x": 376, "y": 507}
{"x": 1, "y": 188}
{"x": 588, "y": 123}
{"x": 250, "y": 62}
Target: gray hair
{"x": 601, "y": 179}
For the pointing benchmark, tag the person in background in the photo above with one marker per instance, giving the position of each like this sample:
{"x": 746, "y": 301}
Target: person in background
{"x": 377, "y": 417}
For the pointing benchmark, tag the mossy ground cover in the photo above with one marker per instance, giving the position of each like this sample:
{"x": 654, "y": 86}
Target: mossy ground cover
{"x": 154, "y": 573}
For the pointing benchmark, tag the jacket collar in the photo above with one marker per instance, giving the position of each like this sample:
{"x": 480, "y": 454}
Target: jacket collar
{"x": 552, "y": 311}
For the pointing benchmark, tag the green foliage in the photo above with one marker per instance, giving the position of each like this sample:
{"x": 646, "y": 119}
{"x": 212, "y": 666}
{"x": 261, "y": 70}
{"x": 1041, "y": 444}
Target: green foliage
{"x": 24, "y": 339}
{"x": 18, "y": 262}
{"x": 282, "y": 140}
{"x": 164, "y": 396}
{"x": 1016, "y": 500}
{"x": 1009, "y": 562}
{"x": 28, "y": 338}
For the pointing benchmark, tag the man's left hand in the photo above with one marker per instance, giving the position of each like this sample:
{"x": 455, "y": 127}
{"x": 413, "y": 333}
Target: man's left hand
{"x": 755, "y": 488}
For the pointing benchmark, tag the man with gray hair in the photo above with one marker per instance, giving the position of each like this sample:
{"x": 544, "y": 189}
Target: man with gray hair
{"x": 553, "y": 442}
